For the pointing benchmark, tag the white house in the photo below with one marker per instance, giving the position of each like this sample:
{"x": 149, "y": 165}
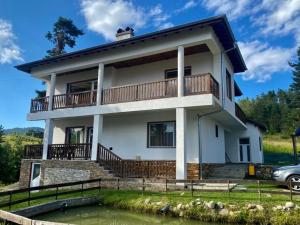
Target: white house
{"x": 158, "y": 104}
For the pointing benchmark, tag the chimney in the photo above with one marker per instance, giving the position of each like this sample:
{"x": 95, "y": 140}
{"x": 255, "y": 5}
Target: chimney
{"x": 124, "y": 34}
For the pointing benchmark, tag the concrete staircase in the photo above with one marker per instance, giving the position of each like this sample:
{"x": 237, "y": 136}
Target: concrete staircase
{"x": 230, "y": 171}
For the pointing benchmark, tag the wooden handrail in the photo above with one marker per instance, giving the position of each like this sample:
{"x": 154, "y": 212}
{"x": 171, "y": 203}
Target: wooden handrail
{"x": 240, "y": 113}
{"x": 71, "y": 100}
{"x": 145, "y": 91}
{"x": 135, "y": 168}
{"x": 69, "y": 151}
{"x": 39, "y": 104}
{"x": 193, "y": 85}
{"x": 33, "y": 151}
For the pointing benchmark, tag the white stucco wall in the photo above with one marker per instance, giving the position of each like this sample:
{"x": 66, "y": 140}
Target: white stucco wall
{"x": 232, "y": 144}
{"x": 127, "y": 134}
{"x": 200, "y": 63}
{"x": 212, "y": 147}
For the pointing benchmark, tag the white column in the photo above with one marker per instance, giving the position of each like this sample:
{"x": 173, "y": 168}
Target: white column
{"x": 180, "y": 71}
{"x": 181, "y": 166}
{"x": 97, "y": 135}
{"x": 100, "y": 82}
{"x": 51, "y": 91}
{"x": 48, "y": 135}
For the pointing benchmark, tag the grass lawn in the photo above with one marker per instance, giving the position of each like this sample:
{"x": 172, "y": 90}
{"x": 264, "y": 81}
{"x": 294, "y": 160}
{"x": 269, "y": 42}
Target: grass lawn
{"x": 112, "y": 196}
{"x": 278, "y": 151}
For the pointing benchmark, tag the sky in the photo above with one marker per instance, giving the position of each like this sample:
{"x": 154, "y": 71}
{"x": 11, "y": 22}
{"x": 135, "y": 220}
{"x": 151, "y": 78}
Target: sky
{"x": 267, "y": 32}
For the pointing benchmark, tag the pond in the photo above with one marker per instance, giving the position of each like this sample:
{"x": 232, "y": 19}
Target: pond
{"x": 96, "y": 215}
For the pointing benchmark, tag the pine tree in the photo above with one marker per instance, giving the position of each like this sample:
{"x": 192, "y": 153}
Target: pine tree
{"x": 295, "y": 86}
{"x": 64, "y": 33}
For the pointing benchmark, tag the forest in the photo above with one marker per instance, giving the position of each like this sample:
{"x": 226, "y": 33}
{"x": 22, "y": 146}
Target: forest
{"x": 278, "y": 110}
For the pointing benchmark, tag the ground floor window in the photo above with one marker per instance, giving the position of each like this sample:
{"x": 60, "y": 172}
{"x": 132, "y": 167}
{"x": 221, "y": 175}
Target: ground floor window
{"x": 74, "y": 135}
{"x": 161, "y": 134}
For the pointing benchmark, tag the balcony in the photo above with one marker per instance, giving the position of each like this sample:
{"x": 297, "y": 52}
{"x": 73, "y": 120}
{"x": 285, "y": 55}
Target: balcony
{"x": 193, "y": 85}
{"x": 239, "y": 113}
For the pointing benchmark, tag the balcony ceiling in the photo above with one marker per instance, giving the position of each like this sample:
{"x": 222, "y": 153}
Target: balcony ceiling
{"x": 158, "y": 57}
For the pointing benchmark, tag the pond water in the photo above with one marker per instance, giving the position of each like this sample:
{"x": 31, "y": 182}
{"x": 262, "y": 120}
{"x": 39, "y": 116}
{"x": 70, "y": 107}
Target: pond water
{"x": 96, "y": 215}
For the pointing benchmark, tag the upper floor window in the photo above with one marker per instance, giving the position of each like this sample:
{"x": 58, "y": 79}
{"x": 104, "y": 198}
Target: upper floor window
{"x": 217, "y": 130}
{"x": 228, "y": 85}
{"x": 82, "y": 86}
{"x": 161, "y": 134}
{"x": 173, "y": 73}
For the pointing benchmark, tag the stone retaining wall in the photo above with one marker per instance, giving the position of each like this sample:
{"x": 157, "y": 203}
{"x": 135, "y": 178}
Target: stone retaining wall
{"x": 61, "y": 171}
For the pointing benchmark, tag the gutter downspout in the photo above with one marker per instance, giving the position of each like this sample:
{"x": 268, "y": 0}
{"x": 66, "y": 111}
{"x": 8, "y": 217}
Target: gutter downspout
{"x": 217, "y": 111}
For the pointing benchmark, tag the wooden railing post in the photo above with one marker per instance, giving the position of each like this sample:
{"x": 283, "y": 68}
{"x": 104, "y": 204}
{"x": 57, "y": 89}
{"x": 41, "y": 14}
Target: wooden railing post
{"x": 259, "y": 191}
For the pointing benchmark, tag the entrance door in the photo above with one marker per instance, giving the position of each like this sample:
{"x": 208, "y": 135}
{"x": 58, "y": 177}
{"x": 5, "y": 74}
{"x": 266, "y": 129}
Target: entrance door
{"x": 89, "y": 138}
{"x": 35, "y": 177}
{"x": 245, "y": 150}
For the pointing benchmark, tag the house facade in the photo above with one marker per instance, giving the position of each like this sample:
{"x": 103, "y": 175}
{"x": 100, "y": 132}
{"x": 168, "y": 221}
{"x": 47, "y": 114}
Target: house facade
{"x": 156, "y": 105}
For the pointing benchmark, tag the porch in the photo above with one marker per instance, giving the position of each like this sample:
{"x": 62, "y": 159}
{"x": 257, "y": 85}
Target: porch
{"x": 106, "y": 159}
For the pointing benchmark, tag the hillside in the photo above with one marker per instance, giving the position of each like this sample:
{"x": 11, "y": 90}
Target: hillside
{"x": 23, "y": 130}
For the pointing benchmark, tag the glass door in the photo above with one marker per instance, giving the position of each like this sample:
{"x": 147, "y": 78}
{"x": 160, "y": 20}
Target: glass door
{"x": 245, "y": 150}
{"x": 74, "y": 135}
{"x": 35, "y": 177}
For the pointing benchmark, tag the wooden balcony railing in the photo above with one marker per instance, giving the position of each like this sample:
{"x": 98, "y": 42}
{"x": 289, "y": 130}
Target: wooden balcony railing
{"x": 72, "y": 100}
{"x": 240, "y": 113}
{"x": 69, "y": 151}
{"x": 193, "y": 85}
{"x": 201, "y": 84}
{"x": 135, "y": 168}
{"x": 160, "y": 89}
{"x": 33, "y": 152}
{"x": 39, "y": 104}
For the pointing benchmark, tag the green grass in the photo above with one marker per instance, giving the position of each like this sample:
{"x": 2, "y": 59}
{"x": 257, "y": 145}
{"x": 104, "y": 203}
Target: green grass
{"x": 134, "y": 200}
{"x": 175, "y": 196}
{"x": 278, "y": 150}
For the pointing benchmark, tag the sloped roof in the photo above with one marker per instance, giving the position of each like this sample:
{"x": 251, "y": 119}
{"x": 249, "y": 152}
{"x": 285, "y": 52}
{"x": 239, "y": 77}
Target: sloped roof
{"x": 219, "y": 24}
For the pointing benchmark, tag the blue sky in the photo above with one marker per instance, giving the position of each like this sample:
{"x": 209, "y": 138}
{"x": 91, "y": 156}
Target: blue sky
{"x": 267, "y": 32}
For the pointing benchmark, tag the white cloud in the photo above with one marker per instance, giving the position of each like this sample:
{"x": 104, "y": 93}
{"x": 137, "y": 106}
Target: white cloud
{"x": 9, "y": 51}
{"x": 279, "y": 18}
{"x": 159, "y": 18}
{"x": 106, "y": 16}
{"x": 188, "y": 5}
{"x": 231, "y": 8}
{"x": 263, "y": 60}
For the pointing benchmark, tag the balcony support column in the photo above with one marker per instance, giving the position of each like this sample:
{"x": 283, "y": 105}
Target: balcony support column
{"x": 180, "y": 70}
{"x": 181, "y": 165}
{"x": 51, "y": 91}
{"x": 48, "y": 136}
{"x": 100, "y": 83}
{"x": 97, "y": 135}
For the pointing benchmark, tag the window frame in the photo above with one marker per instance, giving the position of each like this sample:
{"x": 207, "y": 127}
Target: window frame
{"x": 228, "y": 85}
{"x": 176, "y": 69}
{"x": 159, "y": 122}
{"x": 76, "y": 82}
{"x": 67, "y": 134}
{"x": 216, "y": 130}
